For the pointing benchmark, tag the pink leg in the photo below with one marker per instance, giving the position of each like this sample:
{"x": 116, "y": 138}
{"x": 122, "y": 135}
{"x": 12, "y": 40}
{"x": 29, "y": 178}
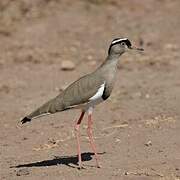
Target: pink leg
{"x": 90, "y": 135}
{"x": 77, "y": 126}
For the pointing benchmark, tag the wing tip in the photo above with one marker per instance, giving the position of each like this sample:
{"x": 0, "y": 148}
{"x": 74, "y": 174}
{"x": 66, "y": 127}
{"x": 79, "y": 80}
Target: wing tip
{"x": 25, "y": 120}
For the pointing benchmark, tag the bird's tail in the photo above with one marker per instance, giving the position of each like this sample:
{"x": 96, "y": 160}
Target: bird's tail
{"x": 52, "y": 106}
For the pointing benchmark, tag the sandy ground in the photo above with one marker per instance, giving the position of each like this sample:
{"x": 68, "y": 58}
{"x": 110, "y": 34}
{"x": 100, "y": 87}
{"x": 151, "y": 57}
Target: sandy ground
{"x": 136, "y": 131}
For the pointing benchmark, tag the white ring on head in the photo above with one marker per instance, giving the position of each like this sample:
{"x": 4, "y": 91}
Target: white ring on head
{"x": 119, "y": 40}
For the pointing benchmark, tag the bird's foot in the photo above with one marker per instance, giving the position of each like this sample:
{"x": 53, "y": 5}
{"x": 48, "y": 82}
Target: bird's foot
{"x": 80, "y": 166}
{"x": 98, "y": 165}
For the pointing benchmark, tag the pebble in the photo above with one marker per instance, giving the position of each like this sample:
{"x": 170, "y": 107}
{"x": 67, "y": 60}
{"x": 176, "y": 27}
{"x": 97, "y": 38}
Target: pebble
{"x": 149, "y": 143}
{"x": 117, "y": 140}
{"x": 171, "y": 46}
{"x": 147, "y": 96}
{"x": 22, "y": 172}
{"x": 126, "y": 173}
{"x": 67, "y": 65}
{"x": 89, "y": 57}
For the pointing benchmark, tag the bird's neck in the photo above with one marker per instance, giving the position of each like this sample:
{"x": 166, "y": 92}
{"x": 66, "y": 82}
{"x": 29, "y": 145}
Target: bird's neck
{"x": 108, "y": 71}
{"x": 113, "y": 55}
{"x": 111, "y": 60}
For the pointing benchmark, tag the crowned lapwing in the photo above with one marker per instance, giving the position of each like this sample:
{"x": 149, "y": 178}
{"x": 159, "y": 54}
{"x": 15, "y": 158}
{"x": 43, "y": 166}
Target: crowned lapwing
{"x": 87, "y": 92}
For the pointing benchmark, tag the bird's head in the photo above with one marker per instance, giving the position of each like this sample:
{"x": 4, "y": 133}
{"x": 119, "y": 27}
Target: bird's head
{"x": 120, "y": 45}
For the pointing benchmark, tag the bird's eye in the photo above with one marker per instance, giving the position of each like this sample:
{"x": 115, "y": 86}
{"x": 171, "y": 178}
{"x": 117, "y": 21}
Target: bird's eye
{"x": 123, "y": 43}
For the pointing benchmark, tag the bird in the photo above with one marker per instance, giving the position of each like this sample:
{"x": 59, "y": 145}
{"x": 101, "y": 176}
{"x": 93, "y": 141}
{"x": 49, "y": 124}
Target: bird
{"x": 87, "y": 92}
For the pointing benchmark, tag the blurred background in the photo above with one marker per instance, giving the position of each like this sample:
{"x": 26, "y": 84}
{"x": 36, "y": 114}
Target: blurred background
{"x": 47, "y": 44}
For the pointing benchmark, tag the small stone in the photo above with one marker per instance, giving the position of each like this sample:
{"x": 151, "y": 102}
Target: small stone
{"x": 117, "y": 140}
{"x": 22, "y": 172}
{"x": 24, "y": 138}
{"x": 171, "y": 46}
{"x": 147, "y": 96}
{"x": 126, "y": 173}
{"x": 67, "y": 65}
{"x": 89, "y": 57}
{"x": 149, "y": 143}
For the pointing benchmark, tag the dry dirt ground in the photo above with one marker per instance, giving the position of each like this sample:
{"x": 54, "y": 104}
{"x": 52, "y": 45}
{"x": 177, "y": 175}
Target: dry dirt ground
{"x": 137, "y": 130}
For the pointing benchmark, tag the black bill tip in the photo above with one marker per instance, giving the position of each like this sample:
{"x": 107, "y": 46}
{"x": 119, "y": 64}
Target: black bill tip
{"x": 136, "y": 48}
{"x": 140, "y": 49}
{"x": 25, "y": 120}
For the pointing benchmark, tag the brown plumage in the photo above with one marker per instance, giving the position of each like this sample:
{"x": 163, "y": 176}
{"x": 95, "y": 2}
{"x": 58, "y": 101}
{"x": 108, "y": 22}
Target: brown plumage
{"x": 87, "y": 91}
{"x": 76, "y": 95}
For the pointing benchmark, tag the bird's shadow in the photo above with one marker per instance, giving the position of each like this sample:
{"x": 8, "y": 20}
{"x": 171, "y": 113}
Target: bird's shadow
{"x": 63, "y": 160}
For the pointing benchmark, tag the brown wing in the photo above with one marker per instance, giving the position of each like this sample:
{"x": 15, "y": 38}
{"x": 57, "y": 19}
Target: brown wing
{"x": 81, "y": 90}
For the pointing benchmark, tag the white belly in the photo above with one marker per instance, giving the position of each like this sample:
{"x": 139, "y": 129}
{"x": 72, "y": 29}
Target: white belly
{"x": 96, "y": 99}
{"x": 92, "y": 104}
